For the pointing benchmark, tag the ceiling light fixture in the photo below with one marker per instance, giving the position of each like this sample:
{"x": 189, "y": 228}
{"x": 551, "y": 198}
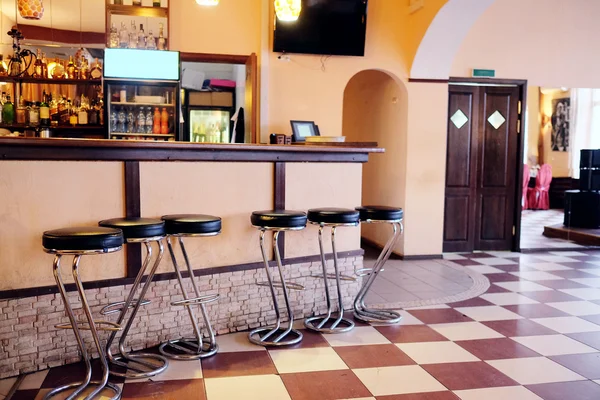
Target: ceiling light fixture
{"x": 208, "y": 2}
{"x": 288, "y": 10}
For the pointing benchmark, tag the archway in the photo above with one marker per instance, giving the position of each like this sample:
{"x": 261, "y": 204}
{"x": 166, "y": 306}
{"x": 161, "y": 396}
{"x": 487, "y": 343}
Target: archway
{"x": 375, "y": 110}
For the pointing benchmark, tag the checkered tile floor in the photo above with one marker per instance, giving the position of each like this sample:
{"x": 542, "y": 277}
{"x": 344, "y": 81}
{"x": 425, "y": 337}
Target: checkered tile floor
{"x": 532, "y": 230}
{"x": 535, "y": 334}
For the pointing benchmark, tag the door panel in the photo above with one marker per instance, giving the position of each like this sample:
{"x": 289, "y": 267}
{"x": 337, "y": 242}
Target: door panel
{"x": 481, "y": 168}
{"x": 461, "y": 159}
{"x": 497, "y": 167}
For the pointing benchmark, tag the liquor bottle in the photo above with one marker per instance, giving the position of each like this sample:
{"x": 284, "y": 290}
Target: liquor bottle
{"x": 71, "y": 68}
{"x": 113, "y": 38}
{"x": 8, "y": 112}
{"x": 84, "y": 71}
{"x": 133, "y": 36}
{"x": 65, "y": 112}
{"x": 21, "y": 111}
{"x": 59, "y": 70}
{"x": 122, "y": 117}
{"x": 93, "y": 113}
{"x": 82, "y": 116}
{"x": 123, "y": 36}
{"x": 141, "y": 37}
{"x": 3, "y": 68}
{"x": 54, "y": 107}
{"x": 73, "y": 120}
{"x": 150, "y": 41}
{"x": 149, "y": 121}
{"x": 44, "y": 111}
{"x": 3, "y": 99}
{"x": 44, "y": 66}
{"x": 164, "y": 122}
{"x": 38, "y": 71}
{"x": 34, "y": 114}
{"x": 130, "y": 121}
{"x": 162, "y": 42}
{"x": 156, "y": 121}
{"x": 141, "y": 121}
{"x": 96, "y": 71}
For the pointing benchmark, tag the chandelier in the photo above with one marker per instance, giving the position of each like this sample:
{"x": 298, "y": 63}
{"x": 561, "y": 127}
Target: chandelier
{"x": 288, "y": 10}
{"x": 208, "y": 2}
{"x": 31, "y": 9}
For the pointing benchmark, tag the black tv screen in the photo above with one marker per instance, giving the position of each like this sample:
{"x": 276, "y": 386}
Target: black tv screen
{"x": 328, "y": 27}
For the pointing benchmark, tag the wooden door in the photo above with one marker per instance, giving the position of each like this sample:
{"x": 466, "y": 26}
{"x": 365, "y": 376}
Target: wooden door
{"x": 497, "y": 167}
{"x": 481, "y": 168}
{"x": 461, "y": 165}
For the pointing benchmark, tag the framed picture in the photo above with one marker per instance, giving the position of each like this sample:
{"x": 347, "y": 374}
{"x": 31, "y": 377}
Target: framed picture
{"x": 302, "y": 129}
{"x": 561, "y": 109}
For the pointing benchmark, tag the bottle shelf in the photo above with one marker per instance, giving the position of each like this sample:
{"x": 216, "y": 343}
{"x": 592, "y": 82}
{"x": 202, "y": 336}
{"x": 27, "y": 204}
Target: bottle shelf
{"x": 134, "y": 104}
{"x": 141, "y": 11}
{"x": 143, "y": 134}
{"x": 59, "y": 127}
{"x": 30, "y": 79}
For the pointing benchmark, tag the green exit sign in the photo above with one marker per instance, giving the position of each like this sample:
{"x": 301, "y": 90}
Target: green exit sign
{"x": 484, "y": 73}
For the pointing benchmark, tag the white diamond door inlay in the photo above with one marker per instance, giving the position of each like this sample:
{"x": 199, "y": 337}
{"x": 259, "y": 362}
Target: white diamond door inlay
{"x": 496, "y": 119}
{"x": 459, "y": 119}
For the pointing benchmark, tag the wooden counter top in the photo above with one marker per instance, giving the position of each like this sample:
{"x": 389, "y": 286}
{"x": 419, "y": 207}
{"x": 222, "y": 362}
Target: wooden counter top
{"x": 116, "y": 150}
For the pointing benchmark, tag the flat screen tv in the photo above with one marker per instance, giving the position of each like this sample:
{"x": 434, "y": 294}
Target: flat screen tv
{"x": 327, "y": 27}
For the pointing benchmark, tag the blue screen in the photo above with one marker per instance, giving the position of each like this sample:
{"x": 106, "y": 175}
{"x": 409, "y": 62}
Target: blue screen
{"x": 141, "y": 64}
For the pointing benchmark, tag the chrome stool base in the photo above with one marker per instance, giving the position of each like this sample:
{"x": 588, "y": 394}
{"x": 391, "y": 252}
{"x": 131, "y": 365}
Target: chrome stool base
{"x": 378, "y": 316}
{"x": 319, "y": 324}
{"x": 281, "y": 336}
{"x": 188, "y": 349}
{"x": 145, "y": 369}
{"x": 60, "y": 390}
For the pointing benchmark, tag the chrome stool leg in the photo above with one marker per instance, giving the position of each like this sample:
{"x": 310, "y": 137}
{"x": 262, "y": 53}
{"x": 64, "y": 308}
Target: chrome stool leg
{"x": 139, "y": 365}
{"x": 276, "y": 336}
{"x": 197, "y": 347}
{"x": 326, "y": 323}
{"x": 75, "y": 325}
{"x": 361, "y": 311}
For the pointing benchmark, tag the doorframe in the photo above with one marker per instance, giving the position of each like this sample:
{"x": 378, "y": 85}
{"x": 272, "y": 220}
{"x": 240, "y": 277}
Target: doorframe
{"x": 522, "y": 85}
{"x": 250, "y": 61}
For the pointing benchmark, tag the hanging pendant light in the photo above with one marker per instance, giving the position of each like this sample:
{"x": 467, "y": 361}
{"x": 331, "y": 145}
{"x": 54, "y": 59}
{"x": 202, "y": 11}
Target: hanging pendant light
{"x": 288, "y": 10}
{"x": 208, "y": 2}
{"x": 31, "y": 9}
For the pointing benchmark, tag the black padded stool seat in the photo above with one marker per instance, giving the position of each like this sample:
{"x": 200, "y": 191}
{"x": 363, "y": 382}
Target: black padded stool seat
{"x": 278, "y": 219}
{"x": 193, "y": 224}
{"x": 84, "y": 238}
{"x": 380, "y": 213}
{"x": 333, "y": 215}
{"x": 136, "y": 228}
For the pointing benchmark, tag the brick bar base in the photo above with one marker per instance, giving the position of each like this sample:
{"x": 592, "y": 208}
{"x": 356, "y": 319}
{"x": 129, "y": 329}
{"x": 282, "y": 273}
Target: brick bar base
{"x": 29, "y": 341}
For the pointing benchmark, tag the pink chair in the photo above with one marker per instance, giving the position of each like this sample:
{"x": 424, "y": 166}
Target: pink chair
{"x": 524, "y": 202}
{"x": 537, "y": 197}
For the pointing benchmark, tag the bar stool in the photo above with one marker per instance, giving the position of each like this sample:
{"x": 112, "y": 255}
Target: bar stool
{"x": 78, "y": 242}
{"x": 180, "y": 226}
{"x": 378, "y": 215}
{"x": 333, "y": 218}
{"x": 277, "y": 221}
{"x": 146, "y": 231}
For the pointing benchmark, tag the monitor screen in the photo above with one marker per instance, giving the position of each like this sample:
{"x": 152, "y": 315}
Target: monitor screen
{"x": 327, "y": 27}
{"x": 141, "y": 64}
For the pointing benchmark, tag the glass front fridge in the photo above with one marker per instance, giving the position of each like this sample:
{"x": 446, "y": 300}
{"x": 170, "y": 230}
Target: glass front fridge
{"x": 209, "y": 125}
{"x": 142, "y": 88}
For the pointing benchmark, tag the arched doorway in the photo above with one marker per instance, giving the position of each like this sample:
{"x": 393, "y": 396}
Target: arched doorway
{"x": 375, "y": 110}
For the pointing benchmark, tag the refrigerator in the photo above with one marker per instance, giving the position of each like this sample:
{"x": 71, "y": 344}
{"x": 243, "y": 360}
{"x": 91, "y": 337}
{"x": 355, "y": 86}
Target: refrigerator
{"x": 208, "y": 125}
{"x": 142, "y": 94}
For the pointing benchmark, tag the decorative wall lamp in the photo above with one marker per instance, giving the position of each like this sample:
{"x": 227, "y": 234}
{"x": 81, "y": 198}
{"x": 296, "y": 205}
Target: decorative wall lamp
{"x": 288, "y": 10}
{"x": 31, "y": 9}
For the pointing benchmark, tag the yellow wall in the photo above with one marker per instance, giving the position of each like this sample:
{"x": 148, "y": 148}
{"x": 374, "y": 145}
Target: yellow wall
{"x": 44, "y": 195}
{"x": 533, "y": 124}
{"x": 375, "y": 110}
{"x": 559, "y": 160}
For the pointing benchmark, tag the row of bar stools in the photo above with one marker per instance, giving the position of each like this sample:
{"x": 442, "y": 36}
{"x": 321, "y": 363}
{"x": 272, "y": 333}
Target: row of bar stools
{"x": 147, "y": 231}
{"x": 78, "y": 242}
{"x": 277, "y": 222}
{"x": 187, "y": 226}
